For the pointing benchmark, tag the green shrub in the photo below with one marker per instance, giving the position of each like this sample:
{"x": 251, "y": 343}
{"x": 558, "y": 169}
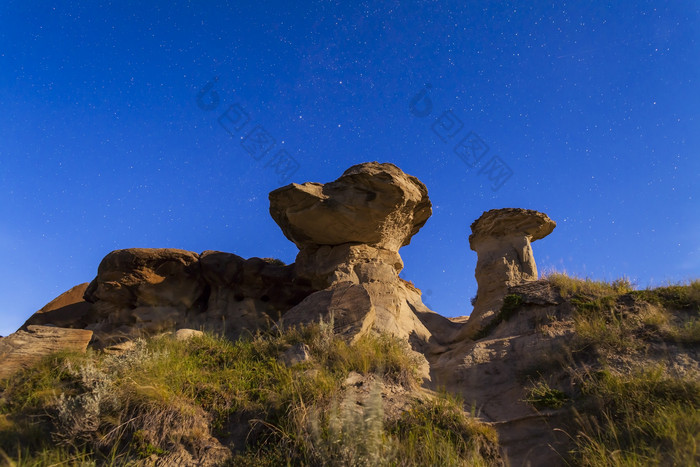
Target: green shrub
{"x": 511, "y": 304}
{"x": 351, "y": 435}
{"x": 542, "y": 396}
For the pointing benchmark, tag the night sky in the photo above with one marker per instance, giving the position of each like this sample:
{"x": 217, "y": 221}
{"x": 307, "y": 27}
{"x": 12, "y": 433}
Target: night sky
{"x": 166, "y": 124}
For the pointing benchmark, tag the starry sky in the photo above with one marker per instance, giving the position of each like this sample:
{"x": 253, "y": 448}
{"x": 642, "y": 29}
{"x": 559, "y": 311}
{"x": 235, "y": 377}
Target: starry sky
{"x": 166, "y": 124}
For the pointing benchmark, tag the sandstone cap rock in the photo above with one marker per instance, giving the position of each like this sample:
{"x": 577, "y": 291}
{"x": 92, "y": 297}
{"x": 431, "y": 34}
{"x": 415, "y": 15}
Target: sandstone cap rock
{"x": 511, "y": 222}
{"x": 372, "y": 203}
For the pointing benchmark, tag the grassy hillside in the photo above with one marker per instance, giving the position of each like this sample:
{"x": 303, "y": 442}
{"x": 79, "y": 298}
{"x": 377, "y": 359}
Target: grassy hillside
{"x": 237, "y": 404}
{"x": 630, "y": 375}
{"x": 627, "y": 379}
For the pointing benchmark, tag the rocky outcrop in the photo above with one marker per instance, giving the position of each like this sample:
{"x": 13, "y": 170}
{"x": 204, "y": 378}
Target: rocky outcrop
{"x": 147, "y": 277}
{"x": 349, "y": 233}
{"x": 140, "y": 292}
{"x": 488, "y": 374}
{"x": 502, "y": 240}
{"x": 25, "y": 348}
{"x": 143, "y": 291}
{"x": 247, "y": 294}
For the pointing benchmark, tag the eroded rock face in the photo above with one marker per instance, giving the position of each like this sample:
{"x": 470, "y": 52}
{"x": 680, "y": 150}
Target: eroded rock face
{"x": 25, "y": 348}
{"x": 488, "y": 374}
{"x": 502, "y": 240}
{"x": 349, "y": 232}
{"x": 146, "y": 277}
{"x": 248, "y": 294}
{"x": 141, "y": 292}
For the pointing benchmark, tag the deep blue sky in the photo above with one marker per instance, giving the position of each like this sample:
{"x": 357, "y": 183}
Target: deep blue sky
{"x": 103, "y": 145}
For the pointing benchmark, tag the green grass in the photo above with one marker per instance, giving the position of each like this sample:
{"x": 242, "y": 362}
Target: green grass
{"x": 644, "y": 415}
{"x": 613, "y": 317}
{"x": 571, "y": 285}
{"x": 97, "y": 409}
{"x": 675, "y": 296}
{"x": 438, "y": 432}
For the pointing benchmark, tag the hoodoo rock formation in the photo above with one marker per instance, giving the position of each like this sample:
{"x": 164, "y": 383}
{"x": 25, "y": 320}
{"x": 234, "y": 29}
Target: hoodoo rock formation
{"x": 372, "y": 203}
{"x": 502, "y": 240}
{"x": 349, "y": 232}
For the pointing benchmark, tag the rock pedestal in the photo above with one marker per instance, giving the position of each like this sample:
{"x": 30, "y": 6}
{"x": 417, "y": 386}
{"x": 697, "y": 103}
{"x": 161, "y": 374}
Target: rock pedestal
{"x": 349, "y": 233}
{"x": 502, "y": 240}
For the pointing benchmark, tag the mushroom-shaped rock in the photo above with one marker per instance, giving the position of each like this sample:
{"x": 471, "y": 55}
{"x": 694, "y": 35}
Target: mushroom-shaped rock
{"x": 349, "y": 233}
{"x": 501, "y": 239}
{"x": 371, "y": 203}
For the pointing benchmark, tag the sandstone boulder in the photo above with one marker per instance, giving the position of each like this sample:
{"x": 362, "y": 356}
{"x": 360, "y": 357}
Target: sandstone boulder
{"x": 502, "y": 240}
{"x": 346, "y": 305}
{"x": 68, "y": 310}
{"x": 141, "y": 292}
{"x": 186, "y": 334}
{"x": 298, "y": 353}
{"x": 25, "y": 348}
{"x": 138, "y": 277}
